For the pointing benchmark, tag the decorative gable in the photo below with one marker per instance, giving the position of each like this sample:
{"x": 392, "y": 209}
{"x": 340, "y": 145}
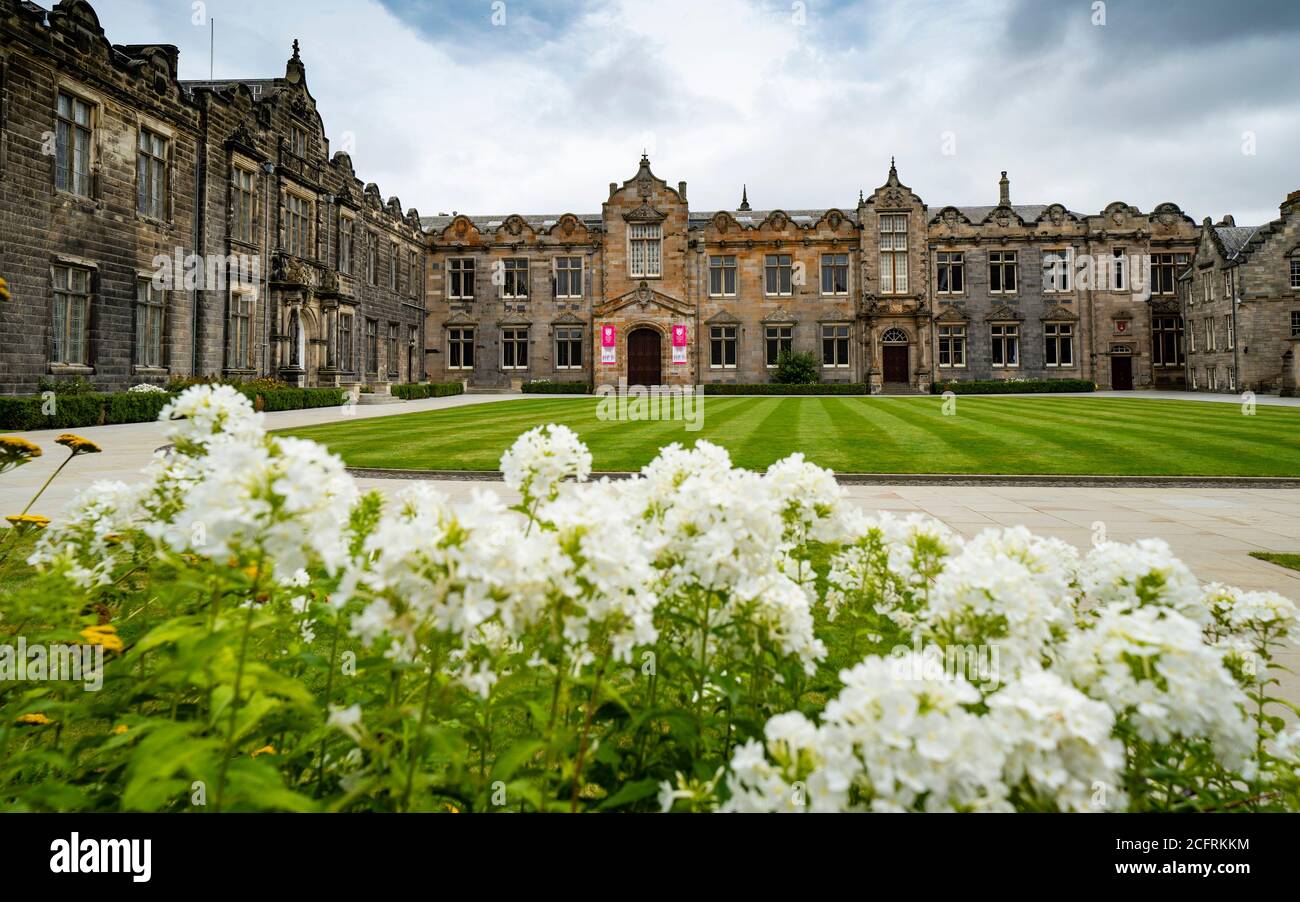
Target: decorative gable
{"x": 1004, "y": 314}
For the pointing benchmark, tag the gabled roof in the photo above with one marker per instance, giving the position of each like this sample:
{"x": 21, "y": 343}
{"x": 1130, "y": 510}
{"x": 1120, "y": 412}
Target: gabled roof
{"x": 1234, "y": 239}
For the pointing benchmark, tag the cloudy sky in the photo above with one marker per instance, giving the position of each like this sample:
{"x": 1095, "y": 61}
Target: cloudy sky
{"x": 534, "y": 107}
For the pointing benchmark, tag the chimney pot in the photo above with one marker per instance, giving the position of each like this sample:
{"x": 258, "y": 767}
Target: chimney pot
{"x": 1004, "y": 190}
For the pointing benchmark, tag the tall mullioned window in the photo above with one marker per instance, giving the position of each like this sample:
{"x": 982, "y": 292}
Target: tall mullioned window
{"x": 1059, "y": 344}
{"x": 1002, "y": 272}
{"x": 516, "y": 279}
{"x": 835, "y": 274}
{"x": 73, "y": 133}
{"x": 950, "y": 272}
{"x": 1295, "y": 273}
{"x": 514, "y": 349}
{"x": 71, "y": 320}
{"x": 722, "y": 347}
{"x": 1006, "y": 344}
{"x": 779, "y": 339}
{"x": 778, "y": 275}
{"x": 347, "y": 237}
{"x": 1165, "y": 269}
{"x": 243, "y": 203}
{"x": 151, "y": 175}
{"x": 645, "y": 250}
{"x": 150, "y": 303}
{"x": 347, "y": 331}
{"x": 239, "y": 331}
{"x": 372, "y": 346}
{"x": 297, "y": 225}
{"x": 722, "y": 276}
{"x": 1056, "y": 270}
{"x": 393, "y": 357}
{"x": 460, "y": 279}
{"x": 835, "y": 345}
{"x": 568, "y": 277}
{"x": 952, "y": 346}
{"x": 893, "y": 253}
{"x": 1167, "y": 341}
{"x": 460, "y": 348}
{"x": 568, "y": 348}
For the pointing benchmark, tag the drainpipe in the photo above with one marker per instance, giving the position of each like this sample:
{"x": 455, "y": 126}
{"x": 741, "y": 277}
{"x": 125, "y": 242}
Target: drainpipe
{"x": 200, "y": 219}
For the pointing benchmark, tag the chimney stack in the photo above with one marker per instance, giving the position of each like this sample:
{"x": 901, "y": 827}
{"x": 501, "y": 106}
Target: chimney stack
{"x": 1004, "y": 190}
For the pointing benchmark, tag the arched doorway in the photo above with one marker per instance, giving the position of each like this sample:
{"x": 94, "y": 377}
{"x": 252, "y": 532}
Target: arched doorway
{"x": 644, "y": 360}
{"x": 893, "y": 356}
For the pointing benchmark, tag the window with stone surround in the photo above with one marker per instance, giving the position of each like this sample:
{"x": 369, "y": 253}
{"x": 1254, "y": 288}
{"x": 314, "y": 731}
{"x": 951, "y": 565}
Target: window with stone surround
{"x": 1167, "y": 341}
{"x": 243, "y": 203}
{"x": 835, "y": 346}
{"x": 150, "y": 304}
{"x": 347, "y": 329}
{"x": 1165, "y": 269}
{"x": 1058, "y": 348}
{"x": 71, "y": 319}
{"x": 722, "y": 276}
{"x": 1002, "y": 272}
{"x": 1006, "y": 344}
{"x": 514, "y": 349}
{"x": 151, "y": 174}
{"x": 893, "y": 253}
{"x": 952, "y": 346}
{"x": 722, "y": 347}
{"x": 460, "y": 348}
{"x": 835, "y": 274}
{"x": 412, "y": 274}
{"x": 239, "y": 331}
{"x": 393, "y": 341}
{"x": 372, "y": 259}
{"x": 297, "y": 225}
{"x": 1119, "y": 269}
{"x": 298, "y": 140}
{"x": 1229, "y": 332}
{"x": 1211, "y": 335}
{"x": 1295, "y": 273}
{"x": 645, "y": 250}
{"x": 1295, "y": 323}
{"x": 1232, "y": 378}
{"x": 568, "y": 348}
{"x": 460, "y": 279}
{"x": 778, "y": 339}
{"x": 778, "y": 275}
{"x": 1056, "y": 270}
{"x": 394, "y": 264}
{"x": 515, "y": 272}
{"x": 74, "y": 131}
{"x": 372, "y": 347}
{"x": 950, "y": 272}
{"x": 568, "y": 277}
{"x": 347, "y": 238}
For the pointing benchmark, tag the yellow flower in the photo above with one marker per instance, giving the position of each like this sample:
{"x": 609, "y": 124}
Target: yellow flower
{"x": 27, "y": 522}
{"x": 34, "y": 720}
{"x": 264, "y": 750}
{"x": 105, "y": 635}
{"x": 77, "y": 445}
{"x": 120, "y": 729}
{"x": 4, "y": 290}
{"x": 16, "y": 451}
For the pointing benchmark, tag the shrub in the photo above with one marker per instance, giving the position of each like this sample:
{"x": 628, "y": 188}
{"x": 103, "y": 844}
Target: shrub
{"x": 134, "y": 407}
{"x": 77, "y": 385}
{"x": 543, "y": 387}
{"x": 1011, "y": 386}
{"x": 772, "y": 388}
{"x": 796, "y": 368}
{"x": 418, "y": 391}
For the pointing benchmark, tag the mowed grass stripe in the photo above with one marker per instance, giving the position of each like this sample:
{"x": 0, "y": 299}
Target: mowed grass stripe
{"x": 902, "y": 435}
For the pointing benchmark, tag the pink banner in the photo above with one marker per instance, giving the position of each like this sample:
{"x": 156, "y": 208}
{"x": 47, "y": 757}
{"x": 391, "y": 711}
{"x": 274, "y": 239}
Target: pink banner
{"x": 608, "y": 336}
{"x": 679, "y": 336}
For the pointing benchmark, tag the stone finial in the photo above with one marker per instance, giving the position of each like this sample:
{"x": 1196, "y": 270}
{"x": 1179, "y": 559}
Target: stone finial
{"x": 1004, "y": 190}
{"x": 744, "y": 198}
{"x": 294, "y": 71}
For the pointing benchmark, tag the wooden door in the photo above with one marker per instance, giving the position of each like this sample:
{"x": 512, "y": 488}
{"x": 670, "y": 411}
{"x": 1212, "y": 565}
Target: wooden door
{"x": 895, "y": 362}
{"x": 1121, "y": 373}
{"x": 644, "y": 362}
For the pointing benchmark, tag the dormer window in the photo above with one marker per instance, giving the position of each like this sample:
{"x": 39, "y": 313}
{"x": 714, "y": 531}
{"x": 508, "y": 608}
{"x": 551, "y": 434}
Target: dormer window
{"x": 645, "y": 250}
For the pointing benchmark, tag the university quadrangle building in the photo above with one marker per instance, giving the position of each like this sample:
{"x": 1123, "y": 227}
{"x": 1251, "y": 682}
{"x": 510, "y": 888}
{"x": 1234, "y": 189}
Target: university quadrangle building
{"x": 130, "y": 202}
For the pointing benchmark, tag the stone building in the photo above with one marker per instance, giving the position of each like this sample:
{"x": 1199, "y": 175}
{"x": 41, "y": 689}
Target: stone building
{"x": 885, "y": 292}
{"x": 152, "y": 228}
{"x": 1241, "y": 304}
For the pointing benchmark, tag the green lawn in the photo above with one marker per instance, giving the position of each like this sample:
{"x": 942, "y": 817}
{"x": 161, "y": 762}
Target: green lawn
{"x": 1290, "y": 561}
{"x": 1039, "y": 435}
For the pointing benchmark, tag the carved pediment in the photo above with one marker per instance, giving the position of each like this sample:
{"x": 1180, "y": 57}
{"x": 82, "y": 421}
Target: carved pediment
{"x": 644, "y": 297}
{"x": 568, "y": 318}
{"x": 722, "y": 318}
{"x": 1059, "y": 314}
{"x": 460, "y": 318}
{"x": 1004, "y": 314}
{"x": 952, "y": 315}
{"x": 645, "y": 213}
{"x": 779, "y": 315}
{"x": 243, "y": 140}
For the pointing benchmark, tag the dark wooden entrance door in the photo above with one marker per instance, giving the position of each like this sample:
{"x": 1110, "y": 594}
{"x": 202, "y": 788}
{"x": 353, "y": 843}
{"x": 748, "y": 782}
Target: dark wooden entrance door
{"x": 895, "y": 360}
{"x": 1121, "y": 373}
{"x": 644, "y": 363}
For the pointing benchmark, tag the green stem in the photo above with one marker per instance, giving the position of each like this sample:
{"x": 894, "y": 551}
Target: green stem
{"x": 41, "y": 492}
{"x": 419, "y": 736}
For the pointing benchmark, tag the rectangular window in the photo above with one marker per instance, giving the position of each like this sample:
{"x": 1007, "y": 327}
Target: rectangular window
{"x": 1167, "y": 341}
{"x": 722, "y": 347}
{"x": 568, "y": 277}
{"x": 1212, "y": 378}
{"x": 893, "y": 254}
{"x": 950, "y": 277}
{"x": 412, "y": 274}
{"x": 372, "y": 259}
{"x": 74, "y": 127}
{"x": 516, "y": 279}
{"x": 1229, "y": 333}
{"x": 239, "y": 332}
{"x": 1056, "y": 270}
{"x": 346, "y": 235}
{"x": 645, "y": 250}
{"x": 1191, "y": 336}
{"x": 1232, "y": 378}
{"x": 151, "y": 175}
{"x": 779, "y": 339}
{"x": 1006, "y": 345}
{"x": 1118, "y": 270}
{"x": 1195, "y": 378}
{"x": 372, "y": 347}
{"x": 150, "y": 303}
{"x": 1165, "y": 269}
{"x": 71, "y": 315}
{"x": 1227, "y": 284}
{"x": 1295, "y": 323}
{"x": 1211, "y": 335}
{"x": 722, "y": 276}
{"x": 460, "y": 349}
{"x": 514, "y": 349}
{"x": 568, "y": 348}
{"x": 297, "y": 225}
{"x": 394, "y": 262}
{"x": 243, "y": 203}
{"x": 835, "y": 274}
{"x": 393, "y": 341}
{"x": 1002, "y": 272}
{"x": 347, "y": 329}
{"x": 460, "y": 279}
{"x": 952, "y": 346}
{"x": 298, "y": 140}
{"x": 1059, "y": 350}
{"x": 778, "y": 275}
{"x": 1295, "y": 273}
{"x": 835, "y": 346}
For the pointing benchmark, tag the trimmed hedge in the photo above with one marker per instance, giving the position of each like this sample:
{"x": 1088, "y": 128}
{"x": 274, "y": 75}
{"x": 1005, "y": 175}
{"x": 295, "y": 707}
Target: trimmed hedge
{"x": 81, "y": 410}
{"x": 418, "y": 391}
{"x": 776, "y": 388}
{"x": 1018, "y": 387}
{"x": 556, "y": 388}
{"x": 276, "y": 399}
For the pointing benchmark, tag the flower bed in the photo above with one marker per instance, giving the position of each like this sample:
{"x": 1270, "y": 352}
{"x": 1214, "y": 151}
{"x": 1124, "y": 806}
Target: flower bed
{"x": 699, "y": 637}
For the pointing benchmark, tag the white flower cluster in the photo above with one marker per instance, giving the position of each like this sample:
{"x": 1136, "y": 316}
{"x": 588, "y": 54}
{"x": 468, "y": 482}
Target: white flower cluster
{"x": 145, "y": 388}
{"x": 542, "y": 458}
